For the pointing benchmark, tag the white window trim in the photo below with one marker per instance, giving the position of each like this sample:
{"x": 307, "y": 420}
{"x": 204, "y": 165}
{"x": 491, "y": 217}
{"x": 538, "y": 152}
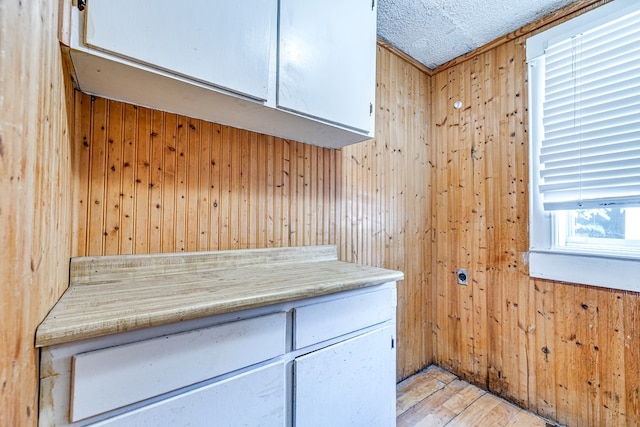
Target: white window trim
{"x": 546, "y": 261}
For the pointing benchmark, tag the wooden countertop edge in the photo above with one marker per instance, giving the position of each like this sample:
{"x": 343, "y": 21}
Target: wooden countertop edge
{"x": 50, "y": 332}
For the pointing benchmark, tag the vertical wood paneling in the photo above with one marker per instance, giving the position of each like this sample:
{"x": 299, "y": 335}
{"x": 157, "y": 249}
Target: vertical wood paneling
{"x": 168, "y": 182}
{"x": 568, "y": 352}
{"x": 81, "y": 182}
{"x": 97, "y": 172}
{"x": 210, "y": 178}
{"x": 274, "y": 236}
{"x": 261, "y": 185}
{"x": 631, "y": 356}
{"x": 36, "y": 128}
{"x": 156, "y": 166}
{"x": 385, "y": 195}
{"x": 127, "y": 194}
{"x": 192, "y": 180}
{"x": 182, "y": 137}
{"x": 114, "y": 170}
{"x": 141, "y": 179}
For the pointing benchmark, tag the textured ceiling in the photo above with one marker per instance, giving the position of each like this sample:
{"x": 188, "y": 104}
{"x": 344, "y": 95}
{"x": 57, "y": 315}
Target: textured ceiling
{"x": 436, "y": 31}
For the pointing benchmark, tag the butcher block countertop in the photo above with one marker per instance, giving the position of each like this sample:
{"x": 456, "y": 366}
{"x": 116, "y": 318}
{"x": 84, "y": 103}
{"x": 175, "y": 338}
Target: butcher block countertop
{"x": 112, "y": 294}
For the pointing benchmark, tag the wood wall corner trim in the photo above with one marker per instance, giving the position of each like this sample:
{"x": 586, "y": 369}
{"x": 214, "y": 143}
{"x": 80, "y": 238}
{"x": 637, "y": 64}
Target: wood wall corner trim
{"x": 404, "y": 56}
{"x": 64, "y": 22}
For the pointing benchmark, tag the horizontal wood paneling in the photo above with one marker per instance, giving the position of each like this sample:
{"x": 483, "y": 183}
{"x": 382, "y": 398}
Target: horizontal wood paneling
{"x": 35, "y": 178}
{"x": 568, "y": 352}
{"x": 151, "y": 181}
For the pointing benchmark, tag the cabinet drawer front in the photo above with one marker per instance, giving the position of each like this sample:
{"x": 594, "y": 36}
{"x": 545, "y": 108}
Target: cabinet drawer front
{"x": 322, "y": 321}
{"x": 110, "y": 378}
{"x": 253, "y": 398}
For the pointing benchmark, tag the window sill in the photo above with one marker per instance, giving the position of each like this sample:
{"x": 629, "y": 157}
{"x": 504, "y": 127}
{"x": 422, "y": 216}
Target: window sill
{"x": 595, "y": 270}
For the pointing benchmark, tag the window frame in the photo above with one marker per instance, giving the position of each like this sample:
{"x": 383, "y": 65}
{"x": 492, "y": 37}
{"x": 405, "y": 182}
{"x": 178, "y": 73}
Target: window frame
{"x": 602, "y": 268}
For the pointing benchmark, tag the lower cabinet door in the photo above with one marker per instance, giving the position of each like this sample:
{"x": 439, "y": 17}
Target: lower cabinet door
{"x": 253, "y": 398}
{"x": 351, "y": 383}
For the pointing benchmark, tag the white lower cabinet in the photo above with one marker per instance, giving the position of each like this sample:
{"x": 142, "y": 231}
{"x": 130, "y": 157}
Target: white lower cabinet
{"x": 348, "y": 383}
{"x": 322, "y": 361}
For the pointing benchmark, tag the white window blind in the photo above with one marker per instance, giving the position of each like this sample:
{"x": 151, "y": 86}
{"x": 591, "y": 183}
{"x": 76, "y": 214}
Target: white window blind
{"x": 590, "y": 151}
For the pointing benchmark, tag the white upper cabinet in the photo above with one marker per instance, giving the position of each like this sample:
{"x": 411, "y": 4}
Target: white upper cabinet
{"x": 290, "y": 68}
{"x": 226, "y": 44}
{"x": 326, "y": 52}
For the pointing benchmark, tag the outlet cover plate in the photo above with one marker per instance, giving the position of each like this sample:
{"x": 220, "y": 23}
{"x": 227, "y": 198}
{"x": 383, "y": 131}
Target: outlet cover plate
{"x": 463, "y": 276}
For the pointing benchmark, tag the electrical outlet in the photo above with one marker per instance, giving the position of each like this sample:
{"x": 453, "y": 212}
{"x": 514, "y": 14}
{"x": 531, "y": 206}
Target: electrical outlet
{"x": 463, "y": 276}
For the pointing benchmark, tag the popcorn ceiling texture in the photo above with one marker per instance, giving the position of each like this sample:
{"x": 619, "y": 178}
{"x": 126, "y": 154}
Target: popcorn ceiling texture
{"x": 436, "y": 31}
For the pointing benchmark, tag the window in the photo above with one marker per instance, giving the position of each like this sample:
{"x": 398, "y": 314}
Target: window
{"x": 584, "y": 115}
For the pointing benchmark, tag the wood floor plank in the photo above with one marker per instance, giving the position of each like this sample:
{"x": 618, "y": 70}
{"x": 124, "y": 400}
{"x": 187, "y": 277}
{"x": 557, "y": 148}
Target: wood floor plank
{"x": 464, "y": 399}
{"x": 527, "y": 419}
{"x": 488, "y": 410}
{"x": 431, "y": 411}
{"x": 420, "y": 386}
{"x": 435, "y": 397}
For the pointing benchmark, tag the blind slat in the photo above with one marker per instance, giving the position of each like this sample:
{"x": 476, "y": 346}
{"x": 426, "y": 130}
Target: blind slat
{"x": 590, "y": 149}
{"x": 565, "y": 161}
{"x": 592, "y": 131}
{"x": 582, "y": 175}
{"x": 594, "y": 63}
{"x": 618, "y": 80}
{"x": 592, "y": 118}
{"x": 587, "y": 172}
{"x": 623, "y": 27}
{"x": 584, "y": 53}
{"x": 621, "y": 133}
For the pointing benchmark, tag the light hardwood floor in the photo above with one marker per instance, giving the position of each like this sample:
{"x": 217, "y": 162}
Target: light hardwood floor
{"x": 435, "y": 397}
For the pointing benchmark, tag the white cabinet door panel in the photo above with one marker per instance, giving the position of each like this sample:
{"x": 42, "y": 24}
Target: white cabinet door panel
{"x": 254, "y": 398}
{"x": 326, "y": 60}
{"x": 225, "y": 43}
{"x": 351, "y": 383}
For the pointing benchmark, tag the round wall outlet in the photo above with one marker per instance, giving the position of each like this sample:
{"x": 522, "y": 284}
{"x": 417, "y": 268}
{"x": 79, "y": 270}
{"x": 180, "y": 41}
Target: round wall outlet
{"x": 463, "y": 276}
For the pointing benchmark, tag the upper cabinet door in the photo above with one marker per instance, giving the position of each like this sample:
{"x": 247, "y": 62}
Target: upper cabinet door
{"x": 326, "y": 60}
{"x": 228, "y": 44}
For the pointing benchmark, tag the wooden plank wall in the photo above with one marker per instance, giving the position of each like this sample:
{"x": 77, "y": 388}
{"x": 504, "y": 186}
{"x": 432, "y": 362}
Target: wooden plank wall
{"x": 387, "y": 189}
{"x": 151, "y": 181}
{"x": 35, "y": 176}
{"x": 568, "y": 352}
